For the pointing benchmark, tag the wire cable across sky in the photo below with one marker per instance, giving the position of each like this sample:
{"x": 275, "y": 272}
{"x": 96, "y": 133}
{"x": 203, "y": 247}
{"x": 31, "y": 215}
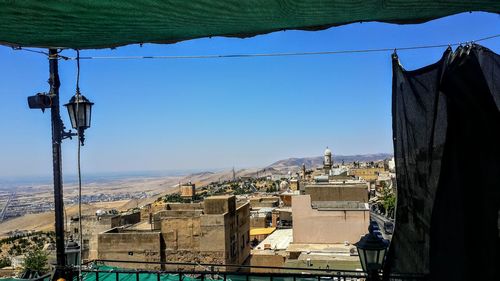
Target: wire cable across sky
{"x": 290, "y": 54}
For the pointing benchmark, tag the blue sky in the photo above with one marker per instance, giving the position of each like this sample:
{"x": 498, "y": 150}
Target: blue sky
{"x": 216, "y": 113}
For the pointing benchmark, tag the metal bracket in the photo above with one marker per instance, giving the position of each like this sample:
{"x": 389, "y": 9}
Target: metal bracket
{"x": 68, "y": 134}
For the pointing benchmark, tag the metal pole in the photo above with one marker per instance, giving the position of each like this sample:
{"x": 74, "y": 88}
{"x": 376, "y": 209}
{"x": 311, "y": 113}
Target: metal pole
{"x": 57, "y": 128}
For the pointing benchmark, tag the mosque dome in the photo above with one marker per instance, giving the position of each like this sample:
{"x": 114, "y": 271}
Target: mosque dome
{"x": 283, "y": 185}
{"x": 328, "y": 152}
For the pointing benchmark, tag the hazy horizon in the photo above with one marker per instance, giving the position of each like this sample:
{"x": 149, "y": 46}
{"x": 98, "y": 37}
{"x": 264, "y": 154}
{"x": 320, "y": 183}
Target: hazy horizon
{"x": 69, "y": 177}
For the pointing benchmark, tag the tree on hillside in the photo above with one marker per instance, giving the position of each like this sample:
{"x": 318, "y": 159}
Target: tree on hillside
{"x": 4, "y": 262}
{"x": 388, "y": 202}
{"x": 36, "y": 260}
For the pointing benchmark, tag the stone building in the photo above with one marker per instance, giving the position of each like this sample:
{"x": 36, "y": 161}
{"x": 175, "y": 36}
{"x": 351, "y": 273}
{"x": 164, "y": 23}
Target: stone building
{"x": 261, "y": 217}
{"x": 328, "y": 222}
{"x": 264, "y": 202}
{"x": 188, "y": 190}
{"x": 215, "y": 231}
{"x": 368, "y": 174}
{"x": 330, "y": 191}
{"x": 95, "y": 224}
{"x": 331, "y": 211}
{"x": 125, "y": 244}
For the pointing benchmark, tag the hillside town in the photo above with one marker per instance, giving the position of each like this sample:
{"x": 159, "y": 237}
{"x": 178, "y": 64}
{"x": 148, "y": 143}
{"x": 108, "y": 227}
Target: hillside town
{"x": 148, "y": 140}
{"x": 308, "y": 218}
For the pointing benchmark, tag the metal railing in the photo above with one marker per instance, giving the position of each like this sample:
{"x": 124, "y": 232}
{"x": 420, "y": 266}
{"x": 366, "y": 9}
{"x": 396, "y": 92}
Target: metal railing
{"x": 173, "y": 271}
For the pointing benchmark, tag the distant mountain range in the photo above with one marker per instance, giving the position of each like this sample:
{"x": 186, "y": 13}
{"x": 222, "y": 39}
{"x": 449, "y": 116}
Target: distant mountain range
{"x": 280, "y": 167}
{"x": 310, "y": 162}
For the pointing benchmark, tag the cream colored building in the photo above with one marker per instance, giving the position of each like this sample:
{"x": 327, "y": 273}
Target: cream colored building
{"x": 368, "y": 174}
{"x": 328, "y": 222}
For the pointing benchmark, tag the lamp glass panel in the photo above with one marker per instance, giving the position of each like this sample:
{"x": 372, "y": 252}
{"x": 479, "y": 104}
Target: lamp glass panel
{"x": 71, "y": 113}
{"x": 362, "y": 258}
{"x": 71, "y": 258}
{"x": 371, "y": 259}
{"x": 88, "y": 112}
{"x": 80, "y": 108}
{"x": 381, "y": 256}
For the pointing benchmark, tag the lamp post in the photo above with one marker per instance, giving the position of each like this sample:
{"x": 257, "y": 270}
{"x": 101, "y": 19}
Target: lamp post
{"x": 57, "y": 135}
{"x": 372, "y": 251}
{"x": 82, "y": 122}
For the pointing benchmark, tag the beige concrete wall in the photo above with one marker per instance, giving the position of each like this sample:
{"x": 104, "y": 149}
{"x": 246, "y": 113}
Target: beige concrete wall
{"x": 183, "y": 206}
{"x": 187, "y": 190}
{"x": 193, "y": 256}
{"x": 231, "y": 241}
{"x": 130, "y": 246}
{"x": 163, "y": 215}
{"x": 285, "y": 215}
{"x": 243, "y": 228}
{"x": 266, "y": 258}
{"x": 181, "y": 233}
{"x": 312, "y": 226}
{"x": 330, "y": 192}
{"x": 258, "y": 222}
{"x": 368, "y": 174}
{"x": 213, "y": 233}
{"x": 219, "y": 204}
{"x": 261, "y": 202}
{"x": 195, "y": 238}
{"x": 191, "y": 235}
{"x": 125, "y": 219}
{"x": 91, "y": 227}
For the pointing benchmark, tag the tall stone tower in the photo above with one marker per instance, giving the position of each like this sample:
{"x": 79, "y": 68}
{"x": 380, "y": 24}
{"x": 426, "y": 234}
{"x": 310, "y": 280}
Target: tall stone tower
{"x": 327, "y": 161}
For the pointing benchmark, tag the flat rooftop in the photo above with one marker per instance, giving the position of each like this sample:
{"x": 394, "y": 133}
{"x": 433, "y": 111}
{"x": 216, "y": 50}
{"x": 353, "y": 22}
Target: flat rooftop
{"x": 321, "y": 249}
{"x": 143, "y": 225}
{"x": 262, "y": 209}
{"x": 340, "y": 205}
{"x": 280, "y": 239}
{"x": 336, "y": 256}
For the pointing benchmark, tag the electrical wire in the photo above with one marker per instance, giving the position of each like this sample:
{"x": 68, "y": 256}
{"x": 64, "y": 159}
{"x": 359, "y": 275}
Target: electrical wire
{"x": 352, "y": 51}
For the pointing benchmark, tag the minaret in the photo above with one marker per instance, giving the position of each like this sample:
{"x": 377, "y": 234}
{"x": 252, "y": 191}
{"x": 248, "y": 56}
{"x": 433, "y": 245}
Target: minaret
{"x": 327, "y": 161}
{"x": 234, "y": 175}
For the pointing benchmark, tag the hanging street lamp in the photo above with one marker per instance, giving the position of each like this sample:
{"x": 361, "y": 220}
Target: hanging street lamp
{"x": 72, "y": 253}
{"x": 80, "y": 113}
{"x": 372, "y": 251}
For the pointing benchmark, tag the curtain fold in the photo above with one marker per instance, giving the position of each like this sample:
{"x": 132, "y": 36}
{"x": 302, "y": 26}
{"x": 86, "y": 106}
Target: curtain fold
{"x": 446, "y": 129}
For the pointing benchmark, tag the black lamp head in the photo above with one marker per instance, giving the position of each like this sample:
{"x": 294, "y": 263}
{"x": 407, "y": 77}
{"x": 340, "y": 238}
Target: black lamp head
{"x": 80, "y": 113}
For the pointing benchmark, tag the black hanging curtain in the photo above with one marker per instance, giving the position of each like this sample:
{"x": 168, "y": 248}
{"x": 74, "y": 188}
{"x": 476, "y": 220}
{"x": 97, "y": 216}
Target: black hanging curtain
{"x": 446, "y": 126}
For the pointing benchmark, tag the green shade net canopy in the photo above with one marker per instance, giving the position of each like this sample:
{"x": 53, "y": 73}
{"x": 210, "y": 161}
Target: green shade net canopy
{"x": 93, "y": 24}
